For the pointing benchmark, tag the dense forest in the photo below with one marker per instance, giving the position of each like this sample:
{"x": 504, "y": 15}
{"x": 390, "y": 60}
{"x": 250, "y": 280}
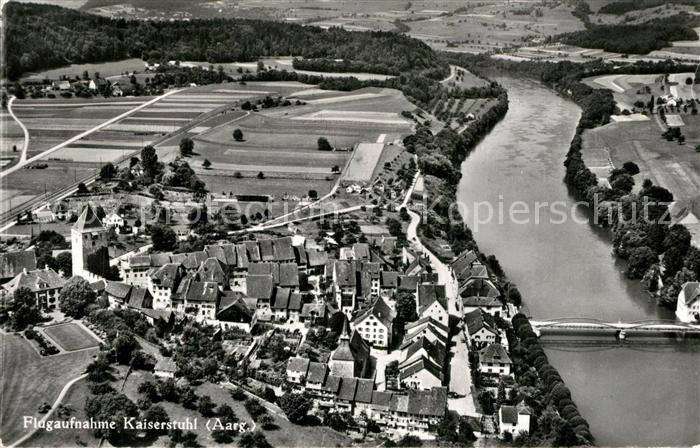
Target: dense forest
{"x": 636, "y": 39}
{"x": 619, "y": 8}
{"x": 43, "y": 36}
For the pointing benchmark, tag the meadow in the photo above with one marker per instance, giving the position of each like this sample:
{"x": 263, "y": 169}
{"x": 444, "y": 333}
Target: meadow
{"x": 28, "y": 380}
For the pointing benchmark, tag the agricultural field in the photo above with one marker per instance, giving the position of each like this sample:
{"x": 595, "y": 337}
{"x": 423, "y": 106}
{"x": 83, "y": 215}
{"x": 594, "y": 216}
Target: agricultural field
{"x": 105, "y": 69}
{"x": 51, "y": 122}
{"x": 281, "y": 142}
{"x": 629, "y": 89}
{"x": 71, "y": 336}
{"x": 28, "y": 380}
{"x": 673, "y": 166}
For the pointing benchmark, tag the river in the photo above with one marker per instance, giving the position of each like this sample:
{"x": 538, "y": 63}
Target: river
{"x": 630, "y": 395}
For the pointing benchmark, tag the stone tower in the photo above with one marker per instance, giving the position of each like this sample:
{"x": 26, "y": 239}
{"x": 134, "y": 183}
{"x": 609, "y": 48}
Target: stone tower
{"x": 89, "y": 246}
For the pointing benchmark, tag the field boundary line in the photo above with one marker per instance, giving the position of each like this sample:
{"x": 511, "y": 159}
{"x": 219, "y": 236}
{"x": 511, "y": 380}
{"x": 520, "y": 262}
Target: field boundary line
{"x": 55, "y": 405}
{"x": 88, "y": 132}
{"x": 23, "y": 155}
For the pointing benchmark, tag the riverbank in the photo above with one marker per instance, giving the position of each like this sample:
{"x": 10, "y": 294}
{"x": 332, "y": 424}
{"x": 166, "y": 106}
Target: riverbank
{"x": 651, "y": 237}
{"x": 566, "y": 270}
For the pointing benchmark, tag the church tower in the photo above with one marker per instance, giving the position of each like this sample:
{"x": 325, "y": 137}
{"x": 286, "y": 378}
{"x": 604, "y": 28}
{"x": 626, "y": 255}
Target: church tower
{"x": 89, "y": 246}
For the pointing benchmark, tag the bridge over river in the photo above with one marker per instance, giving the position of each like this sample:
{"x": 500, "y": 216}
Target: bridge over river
{"x": 621, "y": 329}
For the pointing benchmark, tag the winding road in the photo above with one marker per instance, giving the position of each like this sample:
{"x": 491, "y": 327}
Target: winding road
{"x": 46, "y": 416}
{"x": 23, "y": 155}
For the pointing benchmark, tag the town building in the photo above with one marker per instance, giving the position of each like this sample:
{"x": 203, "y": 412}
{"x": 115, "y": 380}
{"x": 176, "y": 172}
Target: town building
{"x": 375, "y": 324}
{"x": 494, "y": 361}
{"x": 514, "y": 420}
{"x": 44, "y": 284}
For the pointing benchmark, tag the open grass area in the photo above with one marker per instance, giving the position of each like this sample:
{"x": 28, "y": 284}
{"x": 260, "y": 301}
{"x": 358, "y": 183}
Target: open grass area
{"x": 28, "y": 380}
{"x": 287, "y": 434}
{"x": 673, "y": 166}
{"x": 71, "y": 336}
{"x": 75, "y": 401}
{"x": 105, "y": 69}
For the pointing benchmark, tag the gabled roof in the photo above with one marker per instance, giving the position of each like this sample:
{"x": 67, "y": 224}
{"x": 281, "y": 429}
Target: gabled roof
{"x": 316, "y": 258}
{"x": 12, "y": 263}
{"x": 691, "y": 292}
{"x": 298, "y": 364}
{"x": 408, "y": 282}
{"x": 309, "y": 310}
{"x": 161, "y": 258}
{"x": 267, "y": 251}
{"x": 88, "y": 221}
{"x": 381, "y": 400}
{"x": 295, "y": 302}
{"x": 478, "y": 319}
{"x": 283, "y": 249}
{"x": 225, "y": 254}
{"x": 485, "y": 302}
{"x": 427, "y": 294}
{"x": 380, "y": 310}
{"x": 509, "y": 414}
{"x": 361, "y": 251}
{"x": 213, "y": 270}
{"x": 300, "y": 256}
{"x": 140, "y": 261}
{"x": 259, "y": 286}
{"x": 253, "y": 251}
{"x": 289, "y": 274}
{"x": 281, "y": 299}
{"x": 434, "y": 351}
{"x": 494, "y": 353}
{"x": 233, "y": 308}
{"x": 345, "y": 273}
{"x": 168, "y": 275}
{"x": 365, "y": 387}
{"x": 36, "y": 280}
{"x": 118, "y": 289}
{"x": 242, "y": 256}
{"x": 430, "y": 403}
{"x": 202, "y": 292}
{"x": 332, "y": 384}
{"x": 317, "y": 372}
{"x": 463, "y": 263}
{"x": 479, "y": 287}
{"x": 389, "y": 279}
{"x": 421, "y": 364}
{"x": 140, "y": 298}
{"x": 425, "y": 321}
{"x": 347, "y": 389}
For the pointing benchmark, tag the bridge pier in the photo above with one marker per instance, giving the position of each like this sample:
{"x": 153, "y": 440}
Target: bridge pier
{"x": 621, "y": 335}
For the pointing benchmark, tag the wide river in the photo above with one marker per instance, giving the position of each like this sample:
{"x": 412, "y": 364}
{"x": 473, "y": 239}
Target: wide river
{"x": 646, "y": 395}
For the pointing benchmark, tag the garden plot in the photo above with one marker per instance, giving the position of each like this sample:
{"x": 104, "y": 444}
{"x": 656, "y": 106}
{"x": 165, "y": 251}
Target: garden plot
{"x": 71, "y": 336}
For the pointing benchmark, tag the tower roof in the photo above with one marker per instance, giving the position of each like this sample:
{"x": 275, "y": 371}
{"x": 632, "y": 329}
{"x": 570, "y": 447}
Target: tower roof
{"x": 87, "y": 221}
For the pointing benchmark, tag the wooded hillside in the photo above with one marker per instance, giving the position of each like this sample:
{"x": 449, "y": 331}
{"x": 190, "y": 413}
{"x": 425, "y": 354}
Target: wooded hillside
{"x": 43, "y": 36}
